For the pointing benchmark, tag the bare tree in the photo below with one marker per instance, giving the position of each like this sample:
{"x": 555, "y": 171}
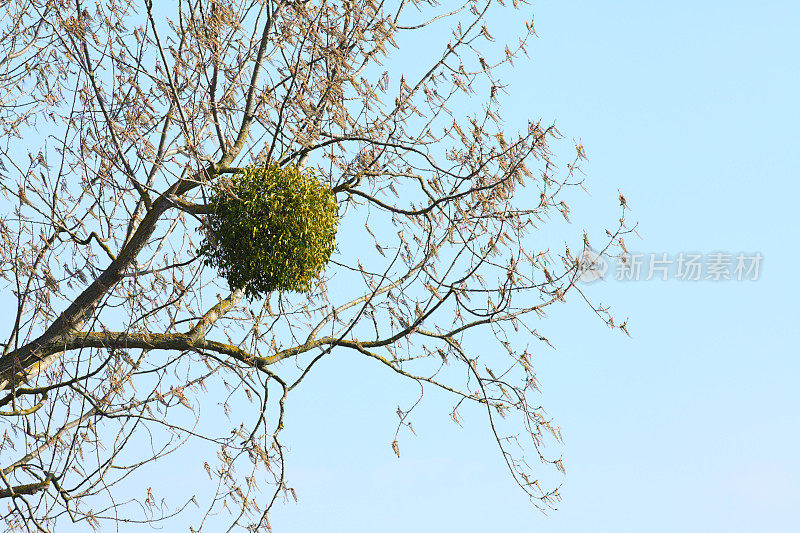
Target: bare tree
{"x": 121, "y": 119}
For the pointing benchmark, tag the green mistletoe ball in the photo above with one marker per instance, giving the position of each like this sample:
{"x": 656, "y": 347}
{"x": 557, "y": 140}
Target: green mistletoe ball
{"x": 271, "y": 229}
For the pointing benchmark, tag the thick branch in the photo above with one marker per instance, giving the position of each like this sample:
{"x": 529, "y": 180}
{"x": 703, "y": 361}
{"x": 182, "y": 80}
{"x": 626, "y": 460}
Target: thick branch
{"x": 185, "y": 342}
{"x": 30, "y": 488}
{"x": 199, "y": 330}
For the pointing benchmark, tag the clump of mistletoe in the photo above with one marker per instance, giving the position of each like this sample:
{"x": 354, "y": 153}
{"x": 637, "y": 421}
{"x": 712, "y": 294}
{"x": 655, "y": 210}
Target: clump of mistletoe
{"x": 271, "y": 228}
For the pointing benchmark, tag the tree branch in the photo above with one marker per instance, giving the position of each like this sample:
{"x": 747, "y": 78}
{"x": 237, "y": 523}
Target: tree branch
{"x": 30, "y": 488}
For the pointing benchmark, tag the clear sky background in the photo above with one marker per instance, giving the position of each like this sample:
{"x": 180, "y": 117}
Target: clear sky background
{"x": 690, "y": 109}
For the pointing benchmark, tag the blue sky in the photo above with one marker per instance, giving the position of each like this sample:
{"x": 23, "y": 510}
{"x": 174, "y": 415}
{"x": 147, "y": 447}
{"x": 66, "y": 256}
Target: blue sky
{"x": 690, "y": 109}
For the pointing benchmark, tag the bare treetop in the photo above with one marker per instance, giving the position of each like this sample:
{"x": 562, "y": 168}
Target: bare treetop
{"x": 122, "y": 119}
